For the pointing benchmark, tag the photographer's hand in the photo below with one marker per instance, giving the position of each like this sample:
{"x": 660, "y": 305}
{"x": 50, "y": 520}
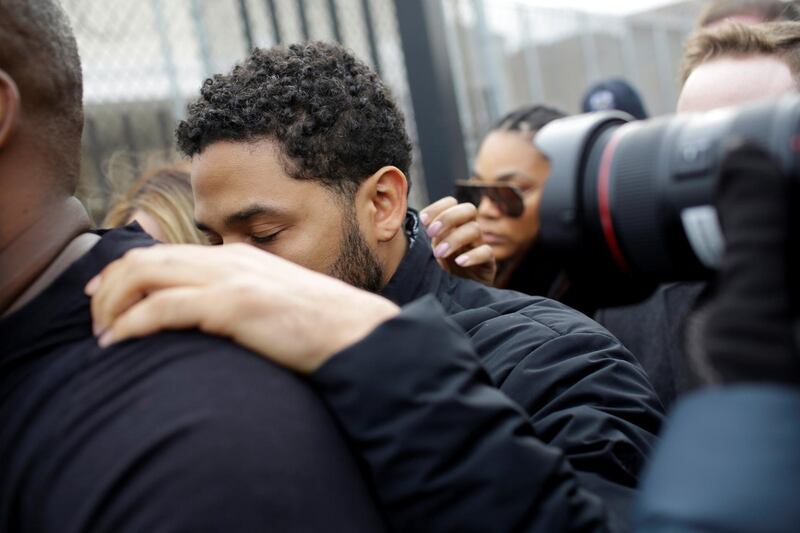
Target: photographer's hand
{"x": 747, "y": 331}
{"x": 291, "y": 315}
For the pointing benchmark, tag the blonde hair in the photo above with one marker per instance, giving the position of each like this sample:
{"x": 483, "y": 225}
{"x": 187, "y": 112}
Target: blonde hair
{"x": 778, "y": 39}
{"x": 165, "y": 194}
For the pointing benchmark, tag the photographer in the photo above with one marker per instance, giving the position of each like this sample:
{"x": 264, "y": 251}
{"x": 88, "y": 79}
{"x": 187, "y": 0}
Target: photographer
{"x": 729, "y": 458}
{"x": 724, "y": 66}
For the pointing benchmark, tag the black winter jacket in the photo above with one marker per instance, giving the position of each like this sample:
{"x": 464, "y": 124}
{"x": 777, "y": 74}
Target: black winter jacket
{"x": 558, "y": 447}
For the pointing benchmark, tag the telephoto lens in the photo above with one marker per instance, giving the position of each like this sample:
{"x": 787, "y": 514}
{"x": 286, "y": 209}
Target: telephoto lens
{"x": 630, "y": 204}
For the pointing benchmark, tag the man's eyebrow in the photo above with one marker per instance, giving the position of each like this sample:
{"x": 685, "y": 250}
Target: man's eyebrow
{"x": 245, "y": 214}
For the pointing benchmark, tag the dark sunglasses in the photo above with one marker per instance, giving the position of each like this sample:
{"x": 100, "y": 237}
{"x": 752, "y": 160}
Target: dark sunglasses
{"x": 507, "y": 198}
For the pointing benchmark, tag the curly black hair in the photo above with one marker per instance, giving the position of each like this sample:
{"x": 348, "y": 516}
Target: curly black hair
{"x": 334, "y": 119}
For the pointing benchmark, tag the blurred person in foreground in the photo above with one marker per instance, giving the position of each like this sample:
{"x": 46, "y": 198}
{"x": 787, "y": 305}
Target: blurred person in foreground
{"x": 723, "y": 66}
{"x": 161, "y": 202}
{"x": 172, "y": 432}
{"x": 614, "y": 94}
{"x": 302, "y": 152}
{"x": 721, "y": 12}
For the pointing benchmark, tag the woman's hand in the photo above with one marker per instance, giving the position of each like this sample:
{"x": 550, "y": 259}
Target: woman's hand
{"x": 291, "y": 315}
{"x": 457, "y": 240}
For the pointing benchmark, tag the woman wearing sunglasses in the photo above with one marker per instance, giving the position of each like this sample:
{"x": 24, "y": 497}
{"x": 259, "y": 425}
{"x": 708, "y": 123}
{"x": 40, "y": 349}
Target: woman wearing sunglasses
{"x": 503, "y": 197}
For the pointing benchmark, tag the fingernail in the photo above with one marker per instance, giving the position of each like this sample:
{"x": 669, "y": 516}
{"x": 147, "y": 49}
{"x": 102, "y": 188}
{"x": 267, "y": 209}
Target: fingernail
{"x": 97, "y": 329}
{"x": 424, "y": 218}
{"x": 106, "y": 339}
{"x": 441, "y": 250}
{"x": 462, "y": 260}
{"x": 435, "y": 228}
{"x": 92, "y": 286}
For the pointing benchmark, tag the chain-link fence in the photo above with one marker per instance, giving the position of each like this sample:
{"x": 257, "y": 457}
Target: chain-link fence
{"x": 144, "y": 60}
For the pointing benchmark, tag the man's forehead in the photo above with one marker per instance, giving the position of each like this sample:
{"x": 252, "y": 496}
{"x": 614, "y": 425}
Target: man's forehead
{"x": 238, "y": 181}
{"x": 729, "y": 81}
{"x": 237, "y": 158}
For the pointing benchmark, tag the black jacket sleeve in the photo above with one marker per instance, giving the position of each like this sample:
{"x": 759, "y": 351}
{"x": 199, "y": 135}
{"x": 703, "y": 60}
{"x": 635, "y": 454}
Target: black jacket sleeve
{"x": 584, "y": 392}
{"x": 447, "y": 450}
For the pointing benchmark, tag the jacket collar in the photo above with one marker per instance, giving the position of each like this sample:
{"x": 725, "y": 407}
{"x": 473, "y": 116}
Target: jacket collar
{"x": 418, "y": 273}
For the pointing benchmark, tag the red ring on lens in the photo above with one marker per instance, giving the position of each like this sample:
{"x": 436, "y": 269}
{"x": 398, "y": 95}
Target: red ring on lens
{"x": 604, "y": 201}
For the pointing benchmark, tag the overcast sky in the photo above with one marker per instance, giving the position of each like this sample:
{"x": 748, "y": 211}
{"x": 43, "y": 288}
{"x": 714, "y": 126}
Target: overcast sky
{"x": 611, "y": 7}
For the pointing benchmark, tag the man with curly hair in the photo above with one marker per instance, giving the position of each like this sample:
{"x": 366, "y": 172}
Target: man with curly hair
{"x": 282, "y": 148}
{"x": 302, "y": 152}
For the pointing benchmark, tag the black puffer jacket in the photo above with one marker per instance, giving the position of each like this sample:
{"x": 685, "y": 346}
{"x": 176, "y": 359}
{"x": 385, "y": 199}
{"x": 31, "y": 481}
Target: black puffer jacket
{"x": 449, "y": 453}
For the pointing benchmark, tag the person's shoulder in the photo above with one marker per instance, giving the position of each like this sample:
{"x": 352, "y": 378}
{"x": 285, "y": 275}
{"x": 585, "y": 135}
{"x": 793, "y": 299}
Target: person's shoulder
{"x": 183, "y": 418}
{"x": 548, "y": 318}
{"x": 205, "y": 374}
{"x": 509, "y": 329}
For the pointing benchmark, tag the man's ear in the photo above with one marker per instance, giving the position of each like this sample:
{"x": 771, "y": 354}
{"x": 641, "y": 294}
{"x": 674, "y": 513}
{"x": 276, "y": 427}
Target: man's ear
{"x": 385, "y": 194}
{"x": 9, "y": 107}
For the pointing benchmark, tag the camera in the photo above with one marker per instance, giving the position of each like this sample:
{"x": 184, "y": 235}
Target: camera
{"x": 630, "y": 204}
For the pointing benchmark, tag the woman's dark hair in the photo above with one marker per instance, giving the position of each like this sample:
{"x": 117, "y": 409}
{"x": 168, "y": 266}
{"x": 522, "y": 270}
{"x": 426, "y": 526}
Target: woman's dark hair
{"x": 528, "y": 119}
{"x": 333, "y": 118}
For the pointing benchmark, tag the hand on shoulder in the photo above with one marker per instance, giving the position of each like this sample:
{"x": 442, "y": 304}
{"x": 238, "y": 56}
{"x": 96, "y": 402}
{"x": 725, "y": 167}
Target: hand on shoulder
{"x": 294, "y": 316}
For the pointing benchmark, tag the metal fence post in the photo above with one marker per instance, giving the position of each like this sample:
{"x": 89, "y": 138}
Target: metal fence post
{"x": 530, "y": 54}
{"x": 490, "y": 61}
{"x": 244, "y": 15}
{"x": 301, "y": 12}
{"x": 337, "y": 28}
{"x": 169, "y": 63}
{"x": 433, "y": 96}
{"x": 372, "y": 39}
{"x": 274, "y": 17}
{"x": 206, "y": 58}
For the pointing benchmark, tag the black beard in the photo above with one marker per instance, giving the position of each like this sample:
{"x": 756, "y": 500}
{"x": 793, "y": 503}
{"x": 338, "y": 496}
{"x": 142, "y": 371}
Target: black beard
{"x": 356, "y": 263}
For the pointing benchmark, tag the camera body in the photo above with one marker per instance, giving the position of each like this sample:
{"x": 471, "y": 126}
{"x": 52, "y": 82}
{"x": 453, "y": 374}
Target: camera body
{"x": 631, "y": 203}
